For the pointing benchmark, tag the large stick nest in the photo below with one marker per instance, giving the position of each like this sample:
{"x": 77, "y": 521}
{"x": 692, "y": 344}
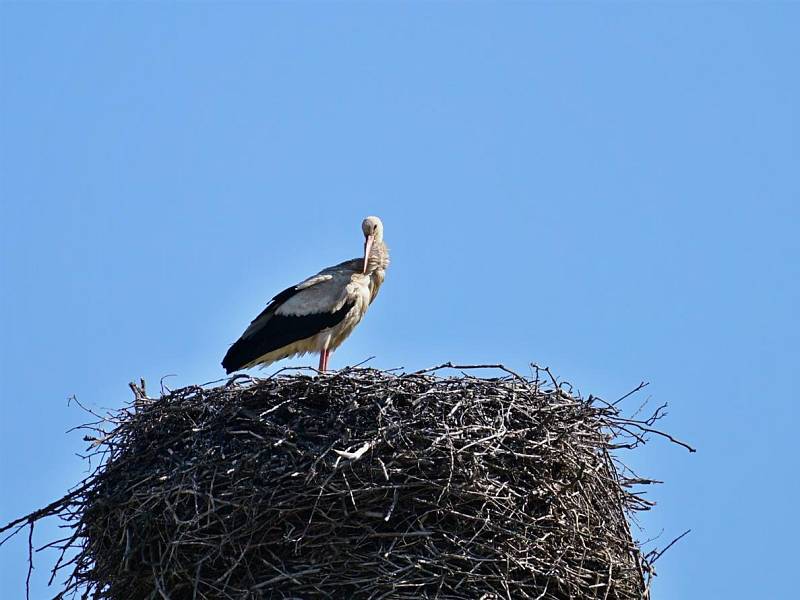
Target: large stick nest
{"x": 359, "y": 484}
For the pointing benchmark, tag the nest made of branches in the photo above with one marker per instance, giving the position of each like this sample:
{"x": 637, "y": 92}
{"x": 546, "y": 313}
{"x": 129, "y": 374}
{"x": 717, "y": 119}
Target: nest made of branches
{"x": 360, "y": 484}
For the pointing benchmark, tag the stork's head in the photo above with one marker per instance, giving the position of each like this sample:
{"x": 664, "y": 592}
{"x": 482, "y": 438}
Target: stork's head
{"x": 373, "y": 232}
{"x": 372, "y": 226}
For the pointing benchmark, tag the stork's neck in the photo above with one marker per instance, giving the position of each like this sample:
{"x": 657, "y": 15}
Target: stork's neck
{"x": 378, "y": 257}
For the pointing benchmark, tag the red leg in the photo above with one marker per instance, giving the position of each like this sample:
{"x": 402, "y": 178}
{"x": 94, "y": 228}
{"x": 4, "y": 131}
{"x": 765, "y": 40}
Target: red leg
{"x": 323, "y": 360}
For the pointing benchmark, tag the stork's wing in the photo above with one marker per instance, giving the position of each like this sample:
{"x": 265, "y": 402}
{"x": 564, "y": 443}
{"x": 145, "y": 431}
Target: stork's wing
{"x": 295, "y": 314}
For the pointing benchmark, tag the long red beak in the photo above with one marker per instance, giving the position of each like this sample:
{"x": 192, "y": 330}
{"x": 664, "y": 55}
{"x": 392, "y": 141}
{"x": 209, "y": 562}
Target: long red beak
{"x": 367, "y": 249}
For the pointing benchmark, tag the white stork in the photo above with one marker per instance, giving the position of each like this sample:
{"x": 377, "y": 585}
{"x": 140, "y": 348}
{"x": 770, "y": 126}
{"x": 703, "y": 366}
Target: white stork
{"x": 317, "y": 314}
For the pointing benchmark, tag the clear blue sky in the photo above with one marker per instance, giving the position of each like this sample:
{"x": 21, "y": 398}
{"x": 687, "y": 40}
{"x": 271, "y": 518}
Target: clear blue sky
{"x": 612, "y": 190}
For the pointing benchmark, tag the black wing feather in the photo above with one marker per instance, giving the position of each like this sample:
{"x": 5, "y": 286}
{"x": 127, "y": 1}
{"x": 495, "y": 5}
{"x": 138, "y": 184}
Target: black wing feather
{"x": 279, "y": 331}
{"x": 277, "y": 301}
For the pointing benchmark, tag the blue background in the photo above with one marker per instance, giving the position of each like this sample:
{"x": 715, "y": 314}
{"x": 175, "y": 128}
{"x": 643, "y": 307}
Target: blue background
{"x": 608, "y": 189}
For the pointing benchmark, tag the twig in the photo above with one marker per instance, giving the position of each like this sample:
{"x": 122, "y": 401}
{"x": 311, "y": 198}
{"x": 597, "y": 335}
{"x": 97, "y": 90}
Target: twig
{"x": 658, "y": 555}
{"x": 30, "y": 562}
